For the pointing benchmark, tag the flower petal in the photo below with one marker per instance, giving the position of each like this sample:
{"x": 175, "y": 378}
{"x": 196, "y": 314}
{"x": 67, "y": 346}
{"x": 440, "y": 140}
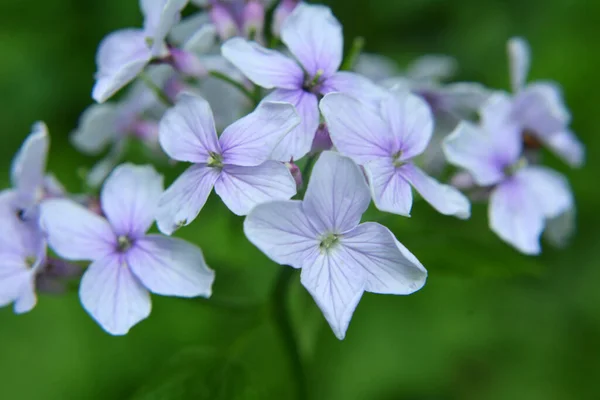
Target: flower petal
{"x": 282, "y": 231}
{"x": 181, "y": 203}
{"x": 568, "y": 147}
{"x": 519, "y": 58}
{"x": 354, "y": 85}
{"x": 29, "y": 165}
{"x": 516, "y": 217}
{"x": 391, "y": 192}
{"x": 27, "y": 298}
{"x": 122, "y": 55}
{"x": 356, "y": 131}
{"x": 97, "y": 128}
{"x": 337, "y": 284}
{"x": 390, "y": 267}
{"x": 550, "y": 189}
{"x": 298, "y": 142}
{"x": 432, "y": 68}
{"x": 129, "y": 198}
{"x": 444, "y": 198}
{"x": 160, "y": 17}
{"x": 170, "y": 267}
{"x": 243, "y": 188}
{"x": 337, "y": 194}
{"x": 251, "y": 140}
{"x": 267, "y": 68}
{"x": 74, "y": 232}
{"x": 19, "y": 237}
{"x": 14, "y": 275}
{"x": 187, "y": 131}
{"x": 314, "y": 36}
{"x": 113, "y": 296}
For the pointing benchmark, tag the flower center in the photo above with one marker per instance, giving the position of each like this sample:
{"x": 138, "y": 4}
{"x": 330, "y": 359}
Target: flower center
{"x": 123, "y": 243}
{"x": 312, "y": 84}
{"x": 396, "y": 159}
{"x": 149, "y": 41}
{"x": 215, "y": 160}
{"x": 329, "y": 241}
{"x": 30, "y": 261}
{"x": 510, "y": 170}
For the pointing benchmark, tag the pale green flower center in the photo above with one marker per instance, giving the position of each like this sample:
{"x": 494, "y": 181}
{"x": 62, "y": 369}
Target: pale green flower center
{"x": 329, "y": 241}
{"x": 514, "y": 168}
{"x": 123, "y": 243}
{"x": 215, "y": 160}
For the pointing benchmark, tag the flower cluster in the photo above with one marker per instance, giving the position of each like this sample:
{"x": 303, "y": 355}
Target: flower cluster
{"x": 247, "y": 107}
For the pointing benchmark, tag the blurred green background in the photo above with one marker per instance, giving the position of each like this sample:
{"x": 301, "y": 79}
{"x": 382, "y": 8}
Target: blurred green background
{"x": 490, "y": 324}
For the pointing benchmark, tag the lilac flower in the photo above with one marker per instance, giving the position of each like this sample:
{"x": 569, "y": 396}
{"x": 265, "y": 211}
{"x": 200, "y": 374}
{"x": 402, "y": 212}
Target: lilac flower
{"x": 236, "y": 164}
{"x": 539, "y": 108}
{"x": 524, "y": 196}
{"x": 340, "y": 258}
{"x": 126, "y": 263}
{"x": 314, "y": 37}
{"x": 385, "y": 141}
{"x": 123, "y": 54}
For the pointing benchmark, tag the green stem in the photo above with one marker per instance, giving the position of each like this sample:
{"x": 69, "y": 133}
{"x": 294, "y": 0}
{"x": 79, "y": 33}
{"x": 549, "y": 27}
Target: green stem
{"x": 284, "y": 323}
{"x": 234, "y": 83}
{"x": 158, "y": 92}
{"x": 352, "y": 56}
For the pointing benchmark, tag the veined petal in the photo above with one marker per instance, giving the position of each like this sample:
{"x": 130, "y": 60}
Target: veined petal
{"x": 188, "y": 27}
{"x": 390, "y": 267}
{"x": 314, "y": 36}
{"x": 74, "y": 232}
{"x": 337, "y": 194}
{"x": 549, "y": 188}
{"x": 130, "y": 197}
{"x": 357, "y": 131}
{"x": 391, "y": 192}
{"x": 181, "y": 203}
{"x": 29, "y": 165}
{"x": 187, "y": 131}
{"x": 516, "y": 217}
{"x": 519, "y": 58}
{"x": 444, "y": 198}
{"x": 267, "y": 68}
{"x": 170, "y": 267}
{"x": 113, "y": 296}
{"x": 160, "y": 17}
{"x": 122, "y": 55}
{"x": 354, "y": 85}
{"x": 251, "y": 140}
{"x": 410, "y": 121}
{"x": 97, "y": 128}
{"x": 18, "y": 237}
{"x": 337, "y": 284}
{"x": 282, "y": 231}
{"x": 243, "y": 188}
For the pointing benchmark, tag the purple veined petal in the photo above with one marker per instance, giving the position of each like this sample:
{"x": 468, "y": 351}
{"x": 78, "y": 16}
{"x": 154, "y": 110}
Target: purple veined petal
{"x": 17, "y": 236}
{"x": 549, "y": 188}
{"x": 74, "y": 232}
{"x": 356, "y": 131}
{"x": 297, "y": 143}
{"x": 337, "y": 194}
{"x": 390, "y": 191}
{"x": 96, "y": 129}
{"x": 267, "y": 68}
{"x": 187, "y": 131}
{"x": 354, "y": 85}
{"x": 250, "y": 141}
{"x": 432, "y": 68}
{"x": 444, "y": 198}
{"x": 314, "y": 36}
{"x": 113, "y": 296}
{"x": 515, "y": 216}
{"x": 496, "y": 113}
{"x": 389, "y": 266}
{"x": 568, "y": 147}
{"x": 282, "y": 231}
{"x": 519, "y": 58}
{"x": 471, "y": 148}
{"x": 130, "y": 197}
{"x": 122, "y": 55}
{"x": 411, "y": 122}
{"x": 170, "y": 267}
{"x": 181, "y": 203}
{"x": 29, "y": 165}
{"x": 243, "y": 188}
{"x": 337, "y": 284}
{"x": 540, "y": 108}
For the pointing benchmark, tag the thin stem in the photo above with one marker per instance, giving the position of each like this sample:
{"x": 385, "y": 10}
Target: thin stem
{"x": 158, "y": 92}
{"x": 234, "y": 83}
{"x": 350, "y": 61}
{"x": 282, "y": 318}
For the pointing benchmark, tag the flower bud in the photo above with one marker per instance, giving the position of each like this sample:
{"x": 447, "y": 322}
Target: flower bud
{"x": 253, "y": 19}
{"x": 223, "y": 20}
{"x": 283, "y": 10}
{"x": 322, "y": 140}
{"x": 296, "y": 174}
{"x": 187, "y": 63}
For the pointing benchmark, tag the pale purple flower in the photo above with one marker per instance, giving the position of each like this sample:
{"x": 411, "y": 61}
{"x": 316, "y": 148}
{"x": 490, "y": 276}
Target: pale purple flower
{"x": 314, "y": 37}
{"x": 524, "y": 196}
{"x": 539, "y": 108}
{"x": 127, "y": 263}
{"x": 123, "y": 54}
{"x": 384, "y": 141}
{"x": 236, "y": 164}
{"x": 340, "y": 258}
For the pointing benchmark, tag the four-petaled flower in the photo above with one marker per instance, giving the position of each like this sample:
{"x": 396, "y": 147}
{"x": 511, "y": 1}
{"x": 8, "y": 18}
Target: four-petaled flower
{"x": 384, "y": 140}
{"x": 340, "y": 258}
{"x": 236, "y": 164}
{"x": 314, "y": 37}
{"x": 126, "y": 263}
{"x": 524, "y": 196}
